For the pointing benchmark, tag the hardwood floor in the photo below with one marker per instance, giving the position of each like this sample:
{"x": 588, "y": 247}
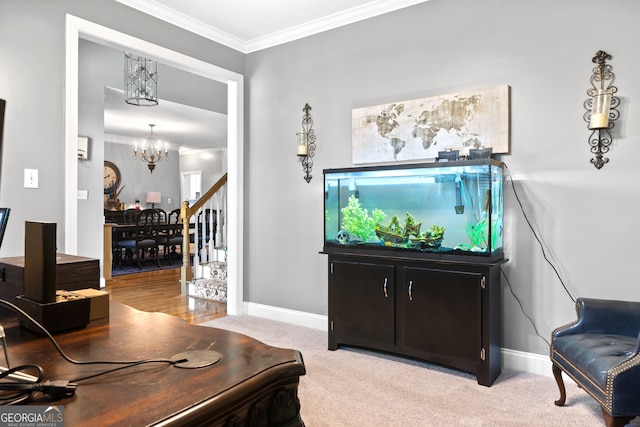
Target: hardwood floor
{"x": 160, "y": 291}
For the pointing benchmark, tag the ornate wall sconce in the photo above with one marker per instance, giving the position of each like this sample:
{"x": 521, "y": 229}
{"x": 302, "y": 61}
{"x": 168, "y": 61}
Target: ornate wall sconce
{"x": 306, "y": 141}
{"x": 601, "y": 108}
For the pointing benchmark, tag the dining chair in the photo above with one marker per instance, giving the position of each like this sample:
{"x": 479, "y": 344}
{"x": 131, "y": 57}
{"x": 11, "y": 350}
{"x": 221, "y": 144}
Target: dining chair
{"x": 126, "y": 217}
{"x": 172, "y": 235}
{"x": 143, "y": 240}
{"x": 129, "y": 216}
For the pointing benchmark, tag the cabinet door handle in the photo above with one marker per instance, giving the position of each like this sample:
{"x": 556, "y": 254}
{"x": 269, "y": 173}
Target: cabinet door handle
{"x": 385, "y": 288}
{"x": 410, "y": 286}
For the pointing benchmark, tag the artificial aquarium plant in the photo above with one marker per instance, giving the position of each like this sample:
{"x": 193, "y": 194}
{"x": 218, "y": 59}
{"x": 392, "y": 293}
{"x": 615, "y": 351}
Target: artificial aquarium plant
{"x": 478, "y": 233}
{"x": 356, "y": 220}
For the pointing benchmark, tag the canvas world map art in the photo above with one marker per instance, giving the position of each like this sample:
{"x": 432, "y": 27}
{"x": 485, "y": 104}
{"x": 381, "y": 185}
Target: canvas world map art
{"x": 418, "y": 129}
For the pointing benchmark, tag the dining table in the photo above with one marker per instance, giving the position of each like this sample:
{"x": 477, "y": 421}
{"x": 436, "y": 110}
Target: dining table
{"x": 115, "y": 231}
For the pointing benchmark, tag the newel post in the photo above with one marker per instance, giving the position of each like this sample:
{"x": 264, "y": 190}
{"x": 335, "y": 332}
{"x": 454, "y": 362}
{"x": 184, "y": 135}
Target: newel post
{"x": 186, "y": 274}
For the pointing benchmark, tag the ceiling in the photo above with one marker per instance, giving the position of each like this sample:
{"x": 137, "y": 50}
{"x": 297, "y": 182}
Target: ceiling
{"x": 181, "y": 126}
{"x": 244, "y": 25}
{"x": 251, "y": 25}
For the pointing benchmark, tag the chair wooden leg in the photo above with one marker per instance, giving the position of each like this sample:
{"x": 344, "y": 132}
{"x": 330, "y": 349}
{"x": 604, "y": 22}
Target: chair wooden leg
{"x": 611, "y": 421}
{"x": 557, "y": 374}
{"x": 114, "y": 259}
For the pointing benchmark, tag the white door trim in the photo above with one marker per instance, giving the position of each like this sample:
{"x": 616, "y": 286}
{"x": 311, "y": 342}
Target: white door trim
{"x": 77, "y": 28}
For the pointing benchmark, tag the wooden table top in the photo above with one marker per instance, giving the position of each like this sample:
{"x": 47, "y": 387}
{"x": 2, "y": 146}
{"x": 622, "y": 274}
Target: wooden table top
{"x": 61, "y": 259}
{"x": 158, "y": 392}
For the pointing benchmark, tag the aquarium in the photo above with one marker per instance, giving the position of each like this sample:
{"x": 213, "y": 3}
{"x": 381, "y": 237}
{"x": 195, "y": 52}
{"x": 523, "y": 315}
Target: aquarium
{"x": 444, "y": 209}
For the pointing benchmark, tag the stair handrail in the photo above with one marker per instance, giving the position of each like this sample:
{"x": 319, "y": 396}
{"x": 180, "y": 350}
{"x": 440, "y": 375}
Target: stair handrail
{"x": 186, "y": 212}
{"x": 206, "y": 196}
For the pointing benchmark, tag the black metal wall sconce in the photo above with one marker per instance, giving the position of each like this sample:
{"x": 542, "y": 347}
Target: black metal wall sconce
{"x": 601, "y": 108}
{"x": 306, "y": 139}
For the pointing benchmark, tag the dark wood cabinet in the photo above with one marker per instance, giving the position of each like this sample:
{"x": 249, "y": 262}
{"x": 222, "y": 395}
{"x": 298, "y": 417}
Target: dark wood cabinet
{"x": 362, "y": 303}
{"x": 439, "y": 311}
{"x": 441, "y": 315}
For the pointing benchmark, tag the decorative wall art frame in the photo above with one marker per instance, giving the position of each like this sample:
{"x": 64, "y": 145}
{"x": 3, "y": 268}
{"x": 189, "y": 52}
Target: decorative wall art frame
{"x": 419, "y": 128}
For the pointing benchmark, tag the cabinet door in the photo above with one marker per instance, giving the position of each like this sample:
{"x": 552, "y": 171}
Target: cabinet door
{"x": 361, "y": 303}
{"x": 441, "y": 315}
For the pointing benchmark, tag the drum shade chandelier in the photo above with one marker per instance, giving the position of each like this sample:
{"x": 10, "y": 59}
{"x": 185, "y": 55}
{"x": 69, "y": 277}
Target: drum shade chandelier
{"x": 140, "y": 81}
{"x": 152, "y": 150}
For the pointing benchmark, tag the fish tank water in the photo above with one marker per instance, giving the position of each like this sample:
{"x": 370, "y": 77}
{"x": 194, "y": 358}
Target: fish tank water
{"x": 443, "y": 209}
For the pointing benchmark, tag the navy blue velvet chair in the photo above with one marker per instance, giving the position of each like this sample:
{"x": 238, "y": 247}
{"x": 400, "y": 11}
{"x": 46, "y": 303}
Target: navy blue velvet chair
{"x": 599, "y": 351}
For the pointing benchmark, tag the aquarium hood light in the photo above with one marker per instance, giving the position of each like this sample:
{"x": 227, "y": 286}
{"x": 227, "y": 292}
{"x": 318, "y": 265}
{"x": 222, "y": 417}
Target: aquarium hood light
{"x": 352, "y": 186}
{"x": 420, "y": 173}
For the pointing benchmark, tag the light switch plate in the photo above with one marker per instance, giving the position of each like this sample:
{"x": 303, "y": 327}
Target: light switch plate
{"x": 31, "y": 178}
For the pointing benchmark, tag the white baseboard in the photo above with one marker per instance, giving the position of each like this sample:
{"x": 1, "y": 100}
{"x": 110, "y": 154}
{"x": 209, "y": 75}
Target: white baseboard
{"x": 511, "y": 359}
{"x": 300, "y": 318}
{"x": 526, "y": 362}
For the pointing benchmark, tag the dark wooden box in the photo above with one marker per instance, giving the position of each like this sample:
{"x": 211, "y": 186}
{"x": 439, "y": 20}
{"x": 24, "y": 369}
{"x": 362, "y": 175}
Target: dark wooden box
{"x": 55, "y": 316}
{"x": 72, "y": 273}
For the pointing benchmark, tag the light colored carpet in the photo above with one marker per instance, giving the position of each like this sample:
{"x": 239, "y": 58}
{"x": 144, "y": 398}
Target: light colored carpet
{"x": 352, "y": 387}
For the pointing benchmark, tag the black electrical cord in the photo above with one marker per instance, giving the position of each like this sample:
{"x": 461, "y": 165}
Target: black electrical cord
{"x": 544, "y": 254}
{"x": 130, "y": 365}
{"x": 62, "y": 353}
{"x": 23, "y": 386}
{"x": 18, "y": 388}
{"x": 535, "y": 328}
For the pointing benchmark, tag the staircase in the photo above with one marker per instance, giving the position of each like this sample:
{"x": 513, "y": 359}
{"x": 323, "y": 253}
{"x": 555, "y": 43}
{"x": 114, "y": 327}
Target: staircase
{"x": 213, "y": 284}
{"x": 207, "y": 276}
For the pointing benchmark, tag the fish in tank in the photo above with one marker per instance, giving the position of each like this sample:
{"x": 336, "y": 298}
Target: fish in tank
{"x": 453, "y": 208}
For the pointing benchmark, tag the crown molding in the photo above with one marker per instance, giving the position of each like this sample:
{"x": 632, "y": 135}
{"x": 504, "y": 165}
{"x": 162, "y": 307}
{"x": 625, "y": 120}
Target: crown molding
{"x": 327, "y": 23}
{"x": 155, "y": 9}
{"x": 350, "y": 16}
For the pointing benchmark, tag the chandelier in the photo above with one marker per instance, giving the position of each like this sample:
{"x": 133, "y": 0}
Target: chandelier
{"x": 151, "y": 150}
{"x": 140, "y": 81}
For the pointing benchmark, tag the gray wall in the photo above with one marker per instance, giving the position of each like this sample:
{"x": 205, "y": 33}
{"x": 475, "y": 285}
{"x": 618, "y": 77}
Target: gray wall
{"x": 543, "y": 50}
{"x": 213, "y": 166}
{"x": 138, "y": 181}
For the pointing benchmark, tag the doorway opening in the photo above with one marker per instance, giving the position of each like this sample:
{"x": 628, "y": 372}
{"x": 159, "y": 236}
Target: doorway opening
{"x": 191, "y": 186}
{"x": 77, "y": 28}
